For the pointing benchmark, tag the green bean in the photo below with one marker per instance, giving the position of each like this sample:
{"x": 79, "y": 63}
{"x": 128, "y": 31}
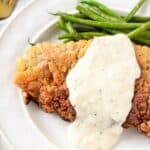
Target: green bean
{"x": 61, "y": 25}
{"x": 99, "y": 15}
{"x": 84, "y": 28}
{"x": 139, "y": 30}
{"x": 134, "y": 10}
{"x": 110, "y": 31}
{"x": 142, "y": 41}
{"x": 140, "y": 18}
{"x": 80, "y": 15}
{"x": 70, "y": 28}
{"x": 89, "y": 14}
{"x": 65, "y": 36}
{"x": 95, "y": 19}
{"x": 119, "y": 31}
{"x": 145, "y": 34}
{"x": 102, "y": 8}
{"x": 82, "y": 35}
{"x": 74, "y": 37}
{"x": 66, "y": 26}
{"x": 67, "y": 40}
{"x": 98, "y": 24}
{"x": 88, "y": 35}
{"x": 125, "y": 31}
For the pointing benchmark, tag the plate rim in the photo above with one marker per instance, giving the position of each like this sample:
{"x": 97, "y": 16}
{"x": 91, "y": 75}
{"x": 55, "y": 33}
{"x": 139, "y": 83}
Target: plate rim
{"x": 26, "y": 113}
{"x": 14, "y": 16}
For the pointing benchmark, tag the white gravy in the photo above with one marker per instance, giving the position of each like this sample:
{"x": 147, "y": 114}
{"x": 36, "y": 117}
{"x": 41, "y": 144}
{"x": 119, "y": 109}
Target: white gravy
{"x": 101, "y": 88}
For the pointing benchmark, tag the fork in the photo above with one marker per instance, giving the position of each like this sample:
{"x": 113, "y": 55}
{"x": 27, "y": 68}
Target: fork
{"x": 6, "y": 7}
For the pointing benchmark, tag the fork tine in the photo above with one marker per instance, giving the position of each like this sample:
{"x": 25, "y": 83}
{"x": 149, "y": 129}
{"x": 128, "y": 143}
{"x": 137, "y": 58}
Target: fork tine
{"x": 5, "y": 1}
{"x": 6, "y": 7}
{"x": 10, "y": 1}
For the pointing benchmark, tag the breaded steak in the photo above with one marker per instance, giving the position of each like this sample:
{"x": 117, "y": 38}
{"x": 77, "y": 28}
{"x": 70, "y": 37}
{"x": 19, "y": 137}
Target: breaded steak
{"x": 41, "y": 74}
{"x": 139, "y": 115}
{"x": 42, "y": 71}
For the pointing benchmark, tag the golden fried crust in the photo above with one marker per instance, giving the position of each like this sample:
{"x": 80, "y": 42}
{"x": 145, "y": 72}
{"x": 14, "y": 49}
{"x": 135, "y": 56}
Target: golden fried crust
{"x": 139, "y": 115}
{"x": 42, "y": 72}
{"x": 41, "y": 75}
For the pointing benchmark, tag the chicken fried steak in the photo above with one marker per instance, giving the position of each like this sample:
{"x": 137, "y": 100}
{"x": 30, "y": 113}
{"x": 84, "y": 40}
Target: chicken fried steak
{"x": 42, "y": 71}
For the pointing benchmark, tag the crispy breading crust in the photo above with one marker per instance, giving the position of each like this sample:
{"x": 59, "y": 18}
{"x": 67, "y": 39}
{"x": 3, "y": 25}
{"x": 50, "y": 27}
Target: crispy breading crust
{"x": 42, "y": 72}
{"x": 139, "y": 115}
{"x": 41, "y": 75}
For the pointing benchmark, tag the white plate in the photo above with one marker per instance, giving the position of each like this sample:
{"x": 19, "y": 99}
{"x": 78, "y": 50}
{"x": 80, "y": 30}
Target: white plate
{"x": 58, "y": 129}
{"x": 12, "y": 43}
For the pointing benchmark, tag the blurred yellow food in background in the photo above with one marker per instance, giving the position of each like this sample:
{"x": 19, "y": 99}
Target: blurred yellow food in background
{"x": 6, "y": 7}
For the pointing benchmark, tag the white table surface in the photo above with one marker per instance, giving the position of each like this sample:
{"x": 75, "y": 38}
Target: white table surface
{"x": 25, "y": 137}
